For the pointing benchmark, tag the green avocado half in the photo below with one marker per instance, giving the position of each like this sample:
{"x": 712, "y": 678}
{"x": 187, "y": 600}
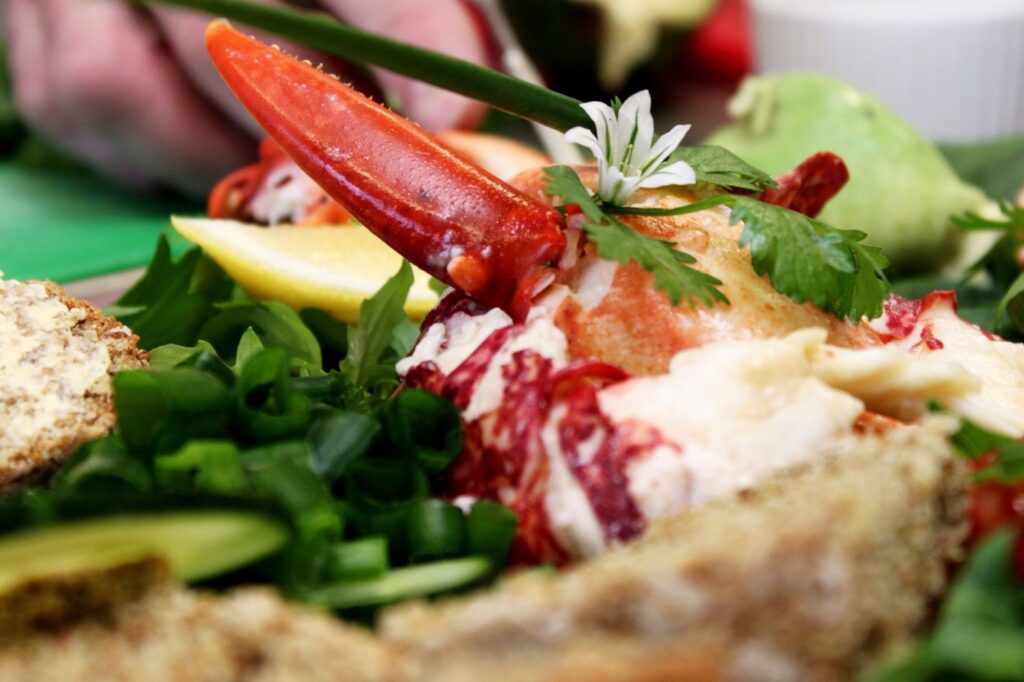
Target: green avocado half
{"x": 902, "y": 192}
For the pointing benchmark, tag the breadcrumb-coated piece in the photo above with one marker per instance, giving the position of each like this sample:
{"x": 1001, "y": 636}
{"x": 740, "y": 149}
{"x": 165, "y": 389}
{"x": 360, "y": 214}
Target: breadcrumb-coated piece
{"x": 57, "y": 357}
{"x": 150, "y": 629}
{"x": 803, "y": 579}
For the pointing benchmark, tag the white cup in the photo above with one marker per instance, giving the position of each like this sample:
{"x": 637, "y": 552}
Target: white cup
{"x": 953, "y": 68}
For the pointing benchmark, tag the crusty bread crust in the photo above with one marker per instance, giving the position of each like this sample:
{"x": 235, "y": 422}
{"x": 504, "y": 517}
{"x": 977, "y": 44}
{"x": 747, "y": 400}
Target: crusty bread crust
{"x": 50, "y": 449}
{"x": 808, "y": 578}
{"x": 164, "y": 632}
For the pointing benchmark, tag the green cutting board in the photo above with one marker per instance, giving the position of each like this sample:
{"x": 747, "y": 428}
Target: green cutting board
{"x": 69, "y": 225}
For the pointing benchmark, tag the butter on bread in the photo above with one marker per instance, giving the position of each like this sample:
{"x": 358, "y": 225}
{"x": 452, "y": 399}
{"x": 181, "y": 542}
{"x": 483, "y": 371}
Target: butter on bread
{"x": 57, "y": 357}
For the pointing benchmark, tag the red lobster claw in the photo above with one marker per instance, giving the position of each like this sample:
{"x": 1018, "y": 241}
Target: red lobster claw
{"x": 450, "y": 218}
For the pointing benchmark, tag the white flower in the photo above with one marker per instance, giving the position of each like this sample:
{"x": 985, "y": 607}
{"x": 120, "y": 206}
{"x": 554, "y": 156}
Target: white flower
{"x": 626, "y": 159}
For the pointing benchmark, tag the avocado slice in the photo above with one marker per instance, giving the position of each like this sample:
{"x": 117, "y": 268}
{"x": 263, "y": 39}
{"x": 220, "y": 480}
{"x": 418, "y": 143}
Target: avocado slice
{"x": 197, "y": 544}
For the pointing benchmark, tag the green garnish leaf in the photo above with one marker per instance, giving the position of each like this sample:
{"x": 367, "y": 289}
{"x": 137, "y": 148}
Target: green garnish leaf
{"x": 807, "y": 260}
{"x": 718, "y": 166}
{"x": 1014, "y": 221}
{"x": 363, "y": 559}
{"x": 1007, "y": 467}
{"x": 274, "y": 323}
{"x": 338, "y": 439}
{"x": 379, "y": 318}
{"x": 424, "y": 426}
{"x": 267, "y": 408}
{"x": 972, "y": 441}
{"x": 490, "y": 530}
{"x": 211, "y": 466}
{"x": 248, "y": 346}
{"x": 159, "y": 411}
{"x": 282, "y": 471}
{"x": 619, "y": 242}
{"x": 436, "y": 530}
{"x": 104, "y": 468}
{"x": 563, "y": 182}
{"x": 670, "y": 267}
{"x": 171, "y": 355}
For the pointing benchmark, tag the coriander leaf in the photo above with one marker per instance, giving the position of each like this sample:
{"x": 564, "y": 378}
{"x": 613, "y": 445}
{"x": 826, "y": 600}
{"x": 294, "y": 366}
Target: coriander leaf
{"x": 718, "y": 166}
{"x": 562, "y": 181}
{"x": 971, "y": 221}
{"x": 331, "y": 334}
{"x": 810, "y": 261}
{"x": 619, "y": 242}
{"x": 972, "y": 442}
{"x": 870, "y": 287}
{"x": 379, "y": 317}
{"x": 670, "y": 267}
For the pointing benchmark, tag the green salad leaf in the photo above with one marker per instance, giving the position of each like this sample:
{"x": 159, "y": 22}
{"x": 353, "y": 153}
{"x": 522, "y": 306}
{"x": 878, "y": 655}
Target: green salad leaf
{"x": 256, "y": 404}
{"x": 381, "y": 317}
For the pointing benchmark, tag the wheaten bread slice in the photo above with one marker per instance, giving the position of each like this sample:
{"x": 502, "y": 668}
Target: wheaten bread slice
{"x": 57, "y": 357}
{"x": 805, "y": 579}
{"x": 132, "y": 623}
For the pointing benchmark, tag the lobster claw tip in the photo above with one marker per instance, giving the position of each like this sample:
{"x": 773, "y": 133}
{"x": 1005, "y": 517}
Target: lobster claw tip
{"x": 447, "y": 216}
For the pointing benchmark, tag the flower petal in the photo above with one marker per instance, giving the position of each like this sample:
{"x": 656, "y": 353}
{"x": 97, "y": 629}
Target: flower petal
{"x": 665, "y": 145}
{"x": 585, "y": 138}
{"x": 635, "y": 114}
{"x": 678, "y": 173}
{"x": 635, "y": 129}
{"x": 605, "y": 124}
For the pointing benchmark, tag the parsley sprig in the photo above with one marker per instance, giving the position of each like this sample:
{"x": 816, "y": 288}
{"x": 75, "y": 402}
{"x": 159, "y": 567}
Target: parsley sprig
{"x": 616, "y": 241}
{"x": 803, "y": 258}
{"x": 1014, "y": 219}
{"x": 718, "y": 166}
{"x": 808, "y": 260}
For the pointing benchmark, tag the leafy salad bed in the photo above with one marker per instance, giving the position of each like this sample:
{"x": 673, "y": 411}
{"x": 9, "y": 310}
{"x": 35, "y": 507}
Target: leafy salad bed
{"x": 250, "y": 405}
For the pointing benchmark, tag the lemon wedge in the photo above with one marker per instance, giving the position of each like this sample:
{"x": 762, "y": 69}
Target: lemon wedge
{"x": 331, "y": 268}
